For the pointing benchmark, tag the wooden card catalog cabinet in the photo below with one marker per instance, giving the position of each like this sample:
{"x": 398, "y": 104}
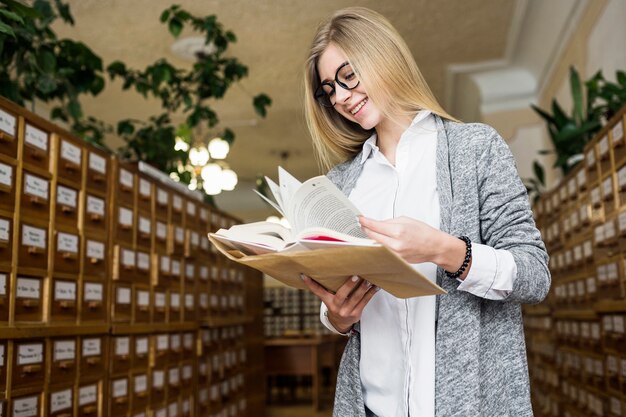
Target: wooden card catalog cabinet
{"x": 159, "y": 313}
{"x": 33, "y": 249}
{"x": 120, "y": 354}
{"x": 88, "y": 400}
{"x": 26, "y": 406}
{"x": 29, "y": 364}
{"x": 95, "y": 218}
{"x": 157, "y": 379}
{"x": 604, "y": 155}
{"x": 8, "y": 133}
{"x": 35, "y": 199}
{"x": 124, "y": 225}
{"x": 93, "y": 301}
{"x": 161, "y": 236}
{"x": 64, "y": 360}
{"x": 144, "y": 230}
{"x": 66, "y": 252}
{"x": 61, "y": 402}
{"x": 160, "y": 347}
{"x": 141, "y": 391}
{"x": 36, "y": 147}
{"x": 144, "y": 195}
{"x": 125, "y": 185}
{"x": 94, "y": 252}
{"x": 617, "y": 140}
{"x": 97, "y": 170}
{"x": 143, "y": 271}
{"x": 591, "y": 163}
{"x": 142, "y": 352}
{"x": 4, "y": 296}
{"x": 122, "y": 305}
{"x": 93, "y": 362}
{"x": 28, "y": 298}
{"x": 7, "y": 185}
{"x": 175, "y": 306}
{"x": 124, "y": 263}
{"x": 64, "y": 300}
{"x": 119, "y": 394}
{"x": 66, "y": 205}
{"x": 142, "y": 304}
{"x": 70, "y": 159}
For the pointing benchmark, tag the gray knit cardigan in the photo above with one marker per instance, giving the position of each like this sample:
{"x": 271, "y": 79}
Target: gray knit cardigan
{"x": 480, "y": 365}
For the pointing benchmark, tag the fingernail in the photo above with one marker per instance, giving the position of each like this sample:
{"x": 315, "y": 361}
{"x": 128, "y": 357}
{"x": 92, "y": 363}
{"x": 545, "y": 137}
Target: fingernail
{"x": 377, "y": 289}
{"x": 302, "y": 277}
{"x": 355, "y": 278}
{"x": 368, "y": 284}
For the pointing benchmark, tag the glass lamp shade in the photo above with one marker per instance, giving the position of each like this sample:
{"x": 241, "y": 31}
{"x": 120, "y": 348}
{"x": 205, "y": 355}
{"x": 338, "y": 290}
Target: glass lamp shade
{"x": 181, "y": 145}
{"x": 198, "y": 156}
{"x": 228, "y": 179}
{"x": 218, "y": 148}
{"x": 193, "y": 184}
{"x": 211, "y": 188}
{"x": 211, "y": 173}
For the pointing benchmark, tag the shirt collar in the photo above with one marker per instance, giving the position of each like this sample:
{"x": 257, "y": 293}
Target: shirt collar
{"x": 370, "y": 144}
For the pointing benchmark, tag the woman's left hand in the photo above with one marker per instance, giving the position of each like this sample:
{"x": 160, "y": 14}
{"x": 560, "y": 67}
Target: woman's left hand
{"x": 414, "y": 240}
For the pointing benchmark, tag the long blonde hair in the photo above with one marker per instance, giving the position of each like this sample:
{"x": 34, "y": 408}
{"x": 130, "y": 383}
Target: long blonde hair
{"x": 385, "y": 66}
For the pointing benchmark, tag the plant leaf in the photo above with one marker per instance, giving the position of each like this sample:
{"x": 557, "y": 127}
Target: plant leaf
{"x": 175, "y": 26}
{"x": 539, "y": 172}
{"x": 577, "y": 95}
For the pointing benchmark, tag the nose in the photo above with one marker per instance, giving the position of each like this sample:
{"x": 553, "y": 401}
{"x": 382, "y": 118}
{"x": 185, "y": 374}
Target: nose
{"x": 341, "y": 94}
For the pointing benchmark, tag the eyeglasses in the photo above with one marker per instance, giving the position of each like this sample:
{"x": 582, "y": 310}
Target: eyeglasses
{"x": 344, "y": 77}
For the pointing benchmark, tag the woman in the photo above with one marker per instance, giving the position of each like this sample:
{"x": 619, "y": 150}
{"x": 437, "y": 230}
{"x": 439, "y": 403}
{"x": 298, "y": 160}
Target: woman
{"x": 447, "y": 198}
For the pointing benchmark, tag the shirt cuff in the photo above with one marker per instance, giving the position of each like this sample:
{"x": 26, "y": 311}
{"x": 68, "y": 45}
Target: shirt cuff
{"x": 492, "y": 273}
{"x": 327, "y": 323}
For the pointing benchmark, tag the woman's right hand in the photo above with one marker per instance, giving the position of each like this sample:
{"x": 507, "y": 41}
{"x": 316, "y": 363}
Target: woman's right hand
{"x": 346, "y": 305}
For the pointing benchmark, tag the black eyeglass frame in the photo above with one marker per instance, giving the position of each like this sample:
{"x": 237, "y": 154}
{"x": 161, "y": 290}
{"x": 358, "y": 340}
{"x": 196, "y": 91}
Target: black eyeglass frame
{"x": 320, "y": 94}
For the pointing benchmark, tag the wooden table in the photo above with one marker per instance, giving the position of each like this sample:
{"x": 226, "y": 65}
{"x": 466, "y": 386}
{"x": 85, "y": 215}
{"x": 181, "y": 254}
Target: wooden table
{"x": 304, "y": 356}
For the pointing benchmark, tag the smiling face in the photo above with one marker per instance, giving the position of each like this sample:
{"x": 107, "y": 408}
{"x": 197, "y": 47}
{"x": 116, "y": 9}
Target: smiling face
{"x": 353, "y": 104}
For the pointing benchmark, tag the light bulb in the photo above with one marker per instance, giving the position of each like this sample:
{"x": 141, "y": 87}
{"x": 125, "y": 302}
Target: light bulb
{"x": 193, "y": 184}
{"x": 228, "y": 179}
{"x": 174, "y": 176}
{"x": 211, "y": 173}
{"x": 181, "y": 145}
{"x": 211, "y": 188}
{"x": 199, "y": 156}
{"x": 218, "y": 148}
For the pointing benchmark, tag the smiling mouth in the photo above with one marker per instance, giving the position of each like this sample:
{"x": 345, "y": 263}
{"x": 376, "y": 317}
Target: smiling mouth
{"x": 358, "y": 107}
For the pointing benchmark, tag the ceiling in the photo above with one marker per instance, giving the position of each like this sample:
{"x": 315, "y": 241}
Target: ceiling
{"x": 273, "y": 38}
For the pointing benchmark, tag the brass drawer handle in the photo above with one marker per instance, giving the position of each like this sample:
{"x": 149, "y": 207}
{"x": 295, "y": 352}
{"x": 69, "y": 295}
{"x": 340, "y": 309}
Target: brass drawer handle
{"x": 69, "y": 256}
{"x": 122, "y": 358}
{"x": 67, "y": 209}
{"x": 93, "y": 361}
{"x": 67, "y": 304}
{"x": 144, "y": 308}
{"x": 71, "y": 166}
{"x": 91, "y": 409}
{"x": 142, "y": 394}
{"x": 34, "y": 250}
{"x": 121, "y": 400}
{"x": 94, "y": 261}
{"x": 94, "y": 217}
{"x": 126, "y": 226}
{"x": 99, "y": 178}
{"x": 94, "y": 305}
{"x": 37, "y": 201}
{"x": 5, "y": 188}
{"x": 37, "y": 154}
{"x": 5, "y": 137}
{"x": 31, "y": 369}
{"x": 30, "y": 303}
{"x": 65, "y": 365}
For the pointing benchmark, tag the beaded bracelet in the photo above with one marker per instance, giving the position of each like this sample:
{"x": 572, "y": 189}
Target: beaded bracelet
{"x": 466, "y": 261}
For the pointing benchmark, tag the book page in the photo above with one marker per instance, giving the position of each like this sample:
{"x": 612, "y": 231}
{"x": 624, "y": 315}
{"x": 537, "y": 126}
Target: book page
{"x": 319, "y": 203}
{"x": 288, "y": 187}
{"x": 270, "y": 202}
{"x": 275, "y": 189}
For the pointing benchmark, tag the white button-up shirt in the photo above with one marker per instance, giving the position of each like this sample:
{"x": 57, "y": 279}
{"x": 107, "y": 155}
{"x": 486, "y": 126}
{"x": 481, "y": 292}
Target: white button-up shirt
{"x": 398, "y": 335}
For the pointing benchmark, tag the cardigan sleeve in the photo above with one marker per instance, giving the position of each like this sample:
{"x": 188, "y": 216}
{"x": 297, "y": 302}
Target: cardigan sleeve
{"x": 506, "y": 220}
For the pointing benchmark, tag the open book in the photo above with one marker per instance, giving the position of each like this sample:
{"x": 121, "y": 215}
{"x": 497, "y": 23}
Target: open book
{"x": 325, "y": 242}
{"x": 319, "y": 214}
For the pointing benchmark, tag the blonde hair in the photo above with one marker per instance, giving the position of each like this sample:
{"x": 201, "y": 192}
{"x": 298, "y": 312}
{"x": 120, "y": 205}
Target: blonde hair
{"x": 384, "y": 64}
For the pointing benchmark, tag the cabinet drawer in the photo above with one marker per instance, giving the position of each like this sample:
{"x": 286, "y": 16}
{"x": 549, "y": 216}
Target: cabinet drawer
{"x": 189, "y": 344}
{"x": 29, "y": 405}
{"x": 142, "y": 304}
{"x": 190, "y": 273}
{"x": 121, "y": 354}
{"x": 119, "y": 397}
{"x": 69, "y": 159}
{"x": 29, "y": 299}
{"x": 176, "y": 347}
{"x": 8, "y": 133}
{"x": 144, "y": 267}
{"x": 175, "y": 307}
{"x": 145, "y": 192}
{"x": 124, "y": 224}
{"x": 66, "y": 251}
{"x": 159, "y": 313}
{"x": 6, "y": 240}
{"x": 173, "y": 380}
{"x": 158, "y": 385}
{"x": 122, "y": 305}
{"x": 159, "y": 348}
{"x": 93, "y": 356}
{"x": 192, "y": 243}
{"x": 176, "y": 270}
{"x": 164, "y": 264}
{"x": 96, "y": 216}
{"x": 29, "y": 364}
{"x": 191, "y": 213}
{"x": 89, "y": 399}
{"x": 176, "y": 209}
{"x": 3, "y": 365}
{"x": 161, "y": 234}
{"x": 36, "y": 146}
{"x": 35, "y": 198}
{"x": 124, "y": 263}
{"x": 66, "y": 205}
{"x": 186, "y": 374}
{"x": 190, "y": 305}
{"x": 124, "y": 185}
{"x": 60, "y": 401}
{"x": 177, "y": 233}
{"x": 33, "y": 248}
{"x": 94, "y": 301}
{"x": 94, "y": 252}
{"x": 64, "y": 303}
{"x": 141, "y": 391}
{"x": 144, "y": 229}
{"x": 97, "y": 170}
{"x": 5, "y": 290}
{"x": 162, "y": 203}
{"x": 141, "y": 352}
{"x": 64, "y": 360}
{"x": 8, "y": 175}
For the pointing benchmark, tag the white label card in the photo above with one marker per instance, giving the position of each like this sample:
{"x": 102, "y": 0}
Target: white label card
{"x": 190, "y": 271}
{"x": 126, "y": 178}
{"x": 6, "y": 175}
{"x": 145, "y": 226}
{"x": 128, "y": 257}
{"x": 143, "y": 298}
{"x": 71, "y": 152}
{"x": 64, "y": 350}
{"x": 5, "y": 230}
{"x": 175, "y": 300}
{"x": 95, "y": 249}
{"x": 191, "y": 209}
{"x": 30, "y": 354}
{"x": 179, "y": 235}
{"x": 141, "y": 345}
{"x": 175, "y": 267}
{"x": 91, "y": 347}
{"x": 67, "y": 196}
{"x": 35, "y": 186}
{"x": 67, "y": 243}
{"x": 141, "y": 383}
{"x": 604, "y": 145}
{"x": 28, "y": 288}
{"x": 162, "y": 197}
{"x": 93, "y": 292}
{"x": 3, "y": 284}
{"x": 161, "y": 230}
{"x": 125, "y": 216}
{"x": 95, "y": 205}
{"x": 122, "y": 346}
{"x": 64, "y": 290}
{"x": 163, "y": 342}
{"x": 177, "y": 202}
{"x": 159, "y": 299}
{"x": 189, "y": 300}
{"x": 123, "y": 295}
{"x": 120, "y": 388}
{"x": 97, "y": 163}
{"x": 175, "y": 341}
{"x": 158, "y": 378}
{"x": 33, "y": 236}
{"x": 87, "y": 395}
{"x": 144, "y": 188}
{"x": 36, "y": 137}
{"x": 165, "y": 264}
{"x": 26, "y": 407}
{"x": 1, "y": 356}
{"x": 7, "y": 123}
{"x": 174, "y": 376}
{"x": 618, "y": 132}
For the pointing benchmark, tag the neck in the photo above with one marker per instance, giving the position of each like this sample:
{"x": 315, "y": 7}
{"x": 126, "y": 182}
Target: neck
{"x": 388, "y": 134}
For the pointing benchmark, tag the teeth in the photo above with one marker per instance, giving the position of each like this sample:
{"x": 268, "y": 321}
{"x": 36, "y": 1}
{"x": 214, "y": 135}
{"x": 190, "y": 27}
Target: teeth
{"x": 358, "y": 107}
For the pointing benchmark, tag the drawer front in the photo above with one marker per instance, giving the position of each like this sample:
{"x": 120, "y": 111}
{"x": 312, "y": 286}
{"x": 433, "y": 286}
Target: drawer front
{"x": 124, "y": 263}
{"x": 88, "y": 399}
{"x": 3, "y": 365}
{"x": 176, "y": 209}
{"x": 158, "y": 383}
{"x": 93, "y": 354}
{"x": 94, "y": 252}
{"x": 175, "y": 306}
{"x": 142, "y": 304}
{"x": 61, "y": 401}
{"x": 36, "y": 151}
{"x": 159, "y": 349}
{"x": 97, "y": 171}
{"x": 144, "y": 229}
{"x": 190, "y": 305}
{"x": 161, "y": 235}
{"x": 96, "y": 215}
{"x": 162, "y": 203}
{"x": 122, "y": 302}
{"x": 125, "y": 185}
{"x": 191, "y": 213}
{"x": 119, "y": 395}
{"x": 141, "y": 352}
{"x": 8, "y": 133}
{"x": 5, "y": 290}
{"x": 94, "y": 301}
{"x": 66, "y": 205}
{"x": 29, "y": 299}
{"x": 121, "y": 354}
{"x": 33, "y": 248}
{"x": 177, "y": 232}
{"x": 144, "y": 267}
{"x": 6, "y": 240}
{"x": 145, "y": 192}
{"x": 124, "y": 224}
{"x": 8, "y": 175}
{"x": 164, "y": 269}
{"x": 29, "y": 364}
{"x": 140, "y": 391}
{"x": 64, "y": 360}
{"x": 159, "y": 312}
{"x": 70, "y": 159}
{"x": 35, "y": 199}
{"x": 64, "y": 305}
{"x": 176, "y": 272}
{"x": 67, "y": 251}
{"x": 26, "y": 406}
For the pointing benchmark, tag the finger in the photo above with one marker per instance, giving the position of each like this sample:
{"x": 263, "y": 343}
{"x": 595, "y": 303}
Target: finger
{"x": 317, "y": 289}
{"x": 358, "y": 310}
{"x": 385, "y": 227}
{"x": 346, "y": 289}
{"x": 355, "y": 297}
{"x": 381, "y": 238}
